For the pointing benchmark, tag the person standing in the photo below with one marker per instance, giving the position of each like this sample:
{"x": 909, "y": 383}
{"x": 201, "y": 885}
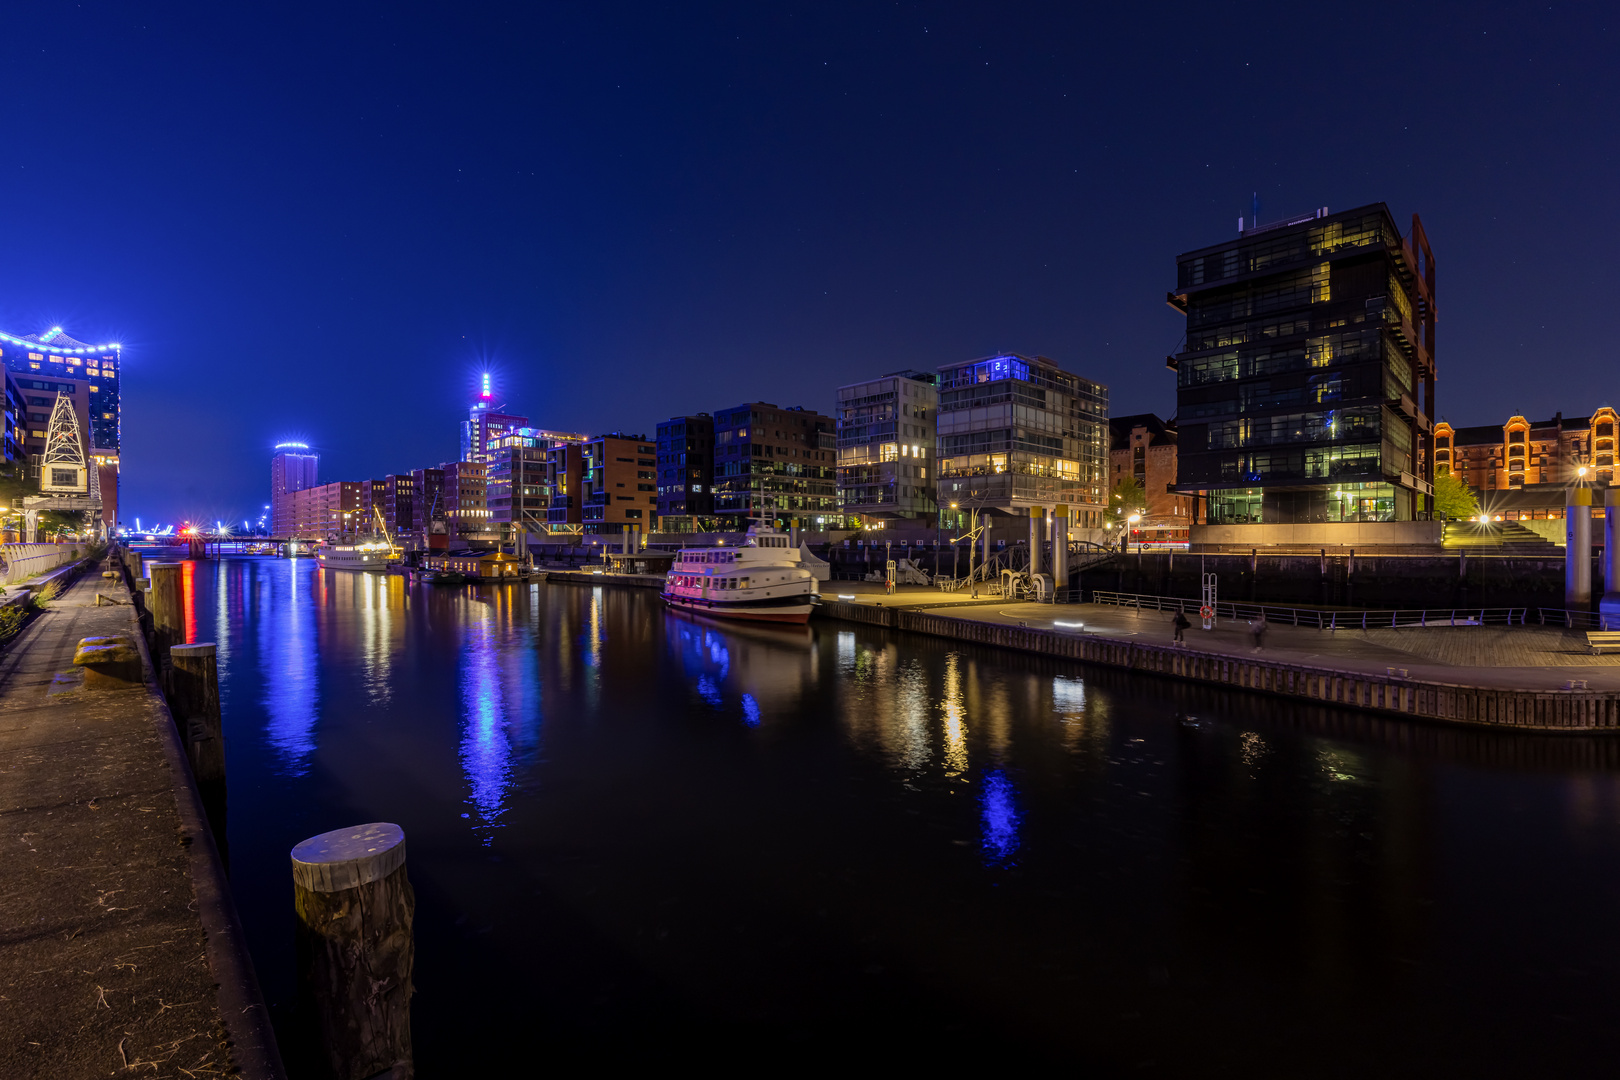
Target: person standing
{"x": 1258, "y": 629}
{"x": 1180, "y": 623}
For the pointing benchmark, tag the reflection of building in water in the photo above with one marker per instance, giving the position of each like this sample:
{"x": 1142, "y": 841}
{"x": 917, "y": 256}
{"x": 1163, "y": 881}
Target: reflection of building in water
{"x": 1284, "y": 829}
{"x": 500, "y": 700}
{"x": 288, "y": 645}
{"x": 755, "y": 672}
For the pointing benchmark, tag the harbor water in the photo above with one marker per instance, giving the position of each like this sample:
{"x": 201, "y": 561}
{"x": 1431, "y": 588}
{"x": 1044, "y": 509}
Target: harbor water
{"x": 632, "y": 832}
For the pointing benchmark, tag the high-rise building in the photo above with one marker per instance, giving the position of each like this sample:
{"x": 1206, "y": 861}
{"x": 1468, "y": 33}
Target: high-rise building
{"x": 293, "y": 467}
{"x": 685, "y": 472}
{"x": 773, "y": 464}
{"x": 399, "y": 504}
{"x": 516, "y": 481}
{"x": 886, "y": 434}
{"x": 618, "y": 484}
{"x": 51, "y": 363}
{"x": 324, "y": 512}
{"x": 466, "y": 501}
{"x": 1018, "y": 433}
{"x": 1305, "y": 388}
{"x": 484, "y": 424}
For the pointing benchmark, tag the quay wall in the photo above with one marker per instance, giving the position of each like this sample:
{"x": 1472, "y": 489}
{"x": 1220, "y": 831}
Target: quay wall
{"x": 1537, "y": 710}
{"x": 1341, "y": 580}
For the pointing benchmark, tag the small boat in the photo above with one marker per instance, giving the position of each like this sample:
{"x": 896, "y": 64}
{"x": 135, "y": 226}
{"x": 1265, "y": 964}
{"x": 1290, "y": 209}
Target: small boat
{"x": 763, "y": 580}
{"x": 448, "y": 577}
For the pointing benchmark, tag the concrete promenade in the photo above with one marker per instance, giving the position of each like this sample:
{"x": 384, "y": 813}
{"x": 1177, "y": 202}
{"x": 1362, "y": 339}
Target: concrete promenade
{"x": 1520, "y": 676}
{"x": 119, "y": 951}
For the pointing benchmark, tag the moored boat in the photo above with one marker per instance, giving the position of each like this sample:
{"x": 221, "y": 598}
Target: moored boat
{"x": 372, "y": 555}
{"x": 763, "y": 580}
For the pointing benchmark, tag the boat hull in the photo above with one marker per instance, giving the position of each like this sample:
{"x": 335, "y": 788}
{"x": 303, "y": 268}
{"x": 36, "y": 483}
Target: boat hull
{"x": 796, "y": 612}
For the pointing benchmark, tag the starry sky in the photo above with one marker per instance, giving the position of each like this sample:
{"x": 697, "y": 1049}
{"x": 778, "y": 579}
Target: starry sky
{"x": 323, "y": 221}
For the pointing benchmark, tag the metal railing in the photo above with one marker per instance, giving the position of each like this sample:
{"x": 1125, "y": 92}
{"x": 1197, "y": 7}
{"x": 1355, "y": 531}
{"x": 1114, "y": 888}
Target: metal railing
{"x": 1345, "y": 620}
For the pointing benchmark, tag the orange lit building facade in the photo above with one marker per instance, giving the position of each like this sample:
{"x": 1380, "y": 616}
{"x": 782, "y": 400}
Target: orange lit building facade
{"x": 1143, "y": 448}
{"x": 1523, "y": 453}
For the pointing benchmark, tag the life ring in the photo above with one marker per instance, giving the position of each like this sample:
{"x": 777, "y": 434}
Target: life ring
{"x": 1206, "y": 612}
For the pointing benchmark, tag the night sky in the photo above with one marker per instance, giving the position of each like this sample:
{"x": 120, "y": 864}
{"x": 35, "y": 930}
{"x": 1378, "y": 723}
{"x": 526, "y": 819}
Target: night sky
{"x": 322, "y": 221}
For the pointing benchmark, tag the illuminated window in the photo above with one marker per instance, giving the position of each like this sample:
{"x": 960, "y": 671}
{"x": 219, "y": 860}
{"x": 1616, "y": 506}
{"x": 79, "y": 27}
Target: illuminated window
{"x": 93, "y": 389}
{"x": 34, "y": 366}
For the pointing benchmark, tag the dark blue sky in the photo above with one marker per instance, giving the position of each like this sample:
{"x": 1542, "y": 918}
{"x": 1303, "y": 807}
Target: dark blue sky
{"x": 321, "y": 221}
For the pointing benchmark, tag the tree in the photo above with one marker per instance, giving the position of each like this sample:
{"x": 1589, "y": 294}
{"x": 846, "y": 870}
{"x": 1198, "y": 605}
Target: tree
{"x": 1453, "y": 498}
{"x": 1127, "y": 497}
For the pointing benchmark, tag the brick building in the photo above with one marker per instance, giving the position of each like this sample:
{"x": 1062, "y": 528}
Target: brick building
{"x": 1143, "y": 448}
{"x": 1522, "y": 453}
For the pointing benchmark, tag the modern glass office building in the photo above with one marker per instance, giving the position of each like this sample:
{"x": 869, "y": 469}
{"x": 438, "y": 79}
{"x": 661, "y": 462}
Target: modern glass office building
{"x": 1305, "y": 387}
{"x": 886, "y": 435}
{"x": 1018, "y": 433}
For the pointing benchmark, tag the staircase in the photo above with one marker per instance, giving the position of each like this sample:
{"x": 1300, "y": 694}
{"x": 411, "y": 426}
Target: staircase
{"x": 1498, "y": 538}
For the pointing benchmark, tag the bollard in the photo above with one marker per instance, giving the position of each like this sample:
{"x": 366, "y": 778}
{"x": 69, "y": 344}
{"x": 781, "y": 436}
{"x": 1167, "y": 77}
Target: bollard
{"x": 194, "y": 696}
{"x": 356, "y": 947}
{"x": 110, "y": 663}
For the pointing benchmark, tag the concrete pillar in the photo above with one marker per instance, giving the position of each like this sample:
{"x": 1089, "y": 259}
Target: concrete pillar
{"x": 1578, "y": 549}
{"x": 1036, "y": 514}
{"x": 1610, "y": 605}
{"x": 985, "y": 561}
{"x": 1060, "y": 547}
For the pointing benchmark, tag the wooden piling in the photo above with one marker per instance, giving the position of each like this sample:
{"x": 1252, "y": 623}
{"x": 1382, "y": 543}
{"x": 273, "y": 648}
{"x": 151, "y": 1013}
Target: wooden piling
{"x": 165, "y": 601}
{"x": 356, "y": 948}
{"x": 194, "y": 700}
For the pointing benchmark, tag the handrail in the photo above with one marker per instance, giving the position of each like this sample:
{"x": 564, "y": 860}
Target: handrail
{"x": 1346, "y": 620}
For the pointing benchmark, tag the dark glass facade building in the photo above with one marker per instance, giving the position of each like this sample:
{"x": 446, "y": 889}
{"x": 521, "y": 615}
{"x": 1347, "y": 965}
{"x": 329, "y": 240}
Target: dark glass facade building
{"x": 686, "y": 472}
{"x": 1305, "y": 388}
{"x": 775, "y": 465}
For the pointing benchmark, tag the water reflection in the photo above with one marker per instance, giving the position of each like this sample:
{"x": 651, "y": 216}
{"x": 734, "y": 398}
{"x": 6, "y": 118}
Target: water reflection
{"x": 288, "y": 648}
{"x": 918, "y": 814}
{"x": 956, "y": 757}
{"x": 486, "y": 755}
{"x": 998, "y": 805}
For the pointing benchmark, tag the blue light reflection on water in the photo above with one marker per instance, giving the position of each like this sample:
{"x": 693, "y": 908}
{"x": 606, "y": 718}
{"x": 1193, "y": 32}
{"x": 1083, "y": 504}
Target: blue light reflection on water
{"x": 291, "y": 688}
{"x": 750, "y": 710}
{"x": 486, "y": 755}
{"x": 998, "y": 804}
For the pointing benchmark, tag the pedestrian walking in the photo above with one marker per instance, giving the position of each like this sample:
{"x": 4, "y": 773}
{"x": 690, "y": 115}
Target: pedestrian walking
{"x": 1180, "y": 623}
{"x": 1258, "y": 629}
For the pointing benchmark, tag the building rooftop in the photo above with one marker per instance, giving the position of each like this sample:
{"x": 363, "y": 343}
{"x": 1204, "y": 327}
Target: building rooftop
{"x": 1119, "y": 430}
{"x": 56, "y": 341}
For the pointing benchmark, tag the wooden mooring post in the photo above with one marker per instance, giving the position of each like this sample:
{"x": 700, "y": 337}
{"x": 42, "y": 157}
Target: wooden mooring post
{"x": 168, "y": 621}
{"x": 356, "y": 948}
{"x": 194, "y": 700}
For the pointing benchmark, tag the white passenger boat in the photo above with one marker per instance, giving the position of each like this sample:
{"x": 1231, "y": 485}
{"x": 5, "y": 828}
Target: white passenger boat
{"x": 764, "y": 580}
{"x": 373, "y": 555}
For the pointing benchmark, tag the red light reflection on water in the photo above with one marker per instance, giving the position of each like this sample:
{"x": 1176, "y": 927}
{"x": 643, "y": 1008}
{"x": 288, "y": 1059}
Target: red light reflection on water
{"x": 188, "y": 599}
